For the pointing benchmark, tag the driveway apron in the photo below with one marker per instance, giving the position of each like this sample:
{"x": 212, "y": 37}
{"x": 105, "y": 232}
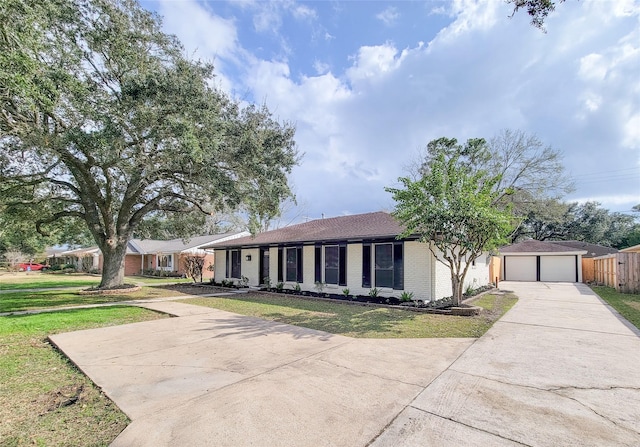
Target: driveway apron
{"x": 561, "y": 368}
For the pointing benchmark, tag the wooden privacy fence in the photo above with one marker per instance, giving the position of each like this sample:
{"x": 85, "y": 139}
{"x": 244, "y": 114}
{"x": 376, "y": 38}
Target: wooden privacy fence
{"x": 619, "y": 270}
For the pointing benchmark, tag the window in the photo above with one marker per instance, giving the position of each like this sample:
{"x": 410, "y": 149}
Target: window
{"x": 335, "y": 264}
{"x": 165, "y": 261}
{"x": 366, "y": 265}
{"x": 331, "y": 264}
{"x": 317, "y": 277}
{"x": 388, "y": 265}
{"x": 234, "y": 265}
{"x": 384, "y": 265}
{"x": 293, "y": 264}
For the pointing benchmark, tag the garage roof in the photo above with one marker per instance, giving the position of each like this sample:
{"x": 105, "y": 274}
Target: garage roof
{"x": 533, "y": 247}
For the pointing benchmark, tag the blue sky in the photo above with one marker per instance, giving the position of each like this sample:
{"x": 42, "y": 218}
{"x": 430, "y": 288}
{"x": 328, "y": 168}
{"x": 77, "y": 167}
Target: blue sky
{"x": 370, "y": 83}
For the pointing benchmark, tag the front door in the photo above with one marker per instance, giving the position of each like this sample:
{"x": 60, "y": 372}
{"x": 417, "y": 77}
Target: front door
{"x": 264, "y": 264}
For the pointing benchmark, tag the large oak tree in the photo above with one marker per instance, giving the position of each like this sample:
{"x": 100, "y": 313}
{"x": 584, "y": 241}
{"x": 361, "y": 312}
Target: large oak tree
{"x": 104, "y": 119}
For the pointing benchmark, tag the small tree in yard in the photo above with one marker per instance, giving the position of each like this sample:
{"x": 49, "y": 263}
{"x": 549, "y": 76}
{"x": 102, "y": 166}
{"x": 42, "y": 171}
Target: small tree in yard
{"x": 194, "y": 266}
{"x": 452, "y": 208}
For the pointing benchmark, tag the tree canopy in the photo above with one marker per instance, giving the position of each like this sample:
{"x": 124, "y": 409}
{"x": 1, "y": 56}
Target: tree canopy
{"x": 553, "y": 219}
{"x": 452, "y": 207}
{"x": 104, "y": 119}
{"x": 538, "y": 10}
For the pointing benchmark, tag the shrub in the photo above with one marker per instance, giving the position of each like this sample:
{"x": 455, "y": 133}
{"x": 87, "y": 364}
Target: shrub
{"x": 373, "y": 293}
{"x": 406, "y": 296}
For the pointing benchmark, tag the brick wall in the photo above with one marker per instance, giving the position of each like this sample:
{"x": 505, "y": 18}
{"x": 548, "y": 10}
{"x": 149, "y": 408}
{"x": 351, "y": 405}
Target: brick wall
{"x": 132, "y": 264}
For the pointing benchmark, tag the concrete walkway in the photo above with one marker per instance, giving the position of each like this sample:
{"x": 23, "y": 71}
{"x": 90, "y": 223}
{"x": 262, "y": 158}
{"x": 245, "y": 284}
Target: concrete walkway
{"x": 559, "y": 369}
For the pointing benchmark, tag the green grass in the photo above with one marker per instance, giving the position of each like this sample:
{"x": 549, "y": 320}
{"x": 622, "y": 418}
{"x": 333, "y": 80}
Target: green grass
{"x": 36, "y": 280}
{"x": 362, "y": 321}
{"x": 44, "y": 399}
{"x": 627, "y": 304}
{"x": 16, "y": 301}
{"x": 158, "y": 280}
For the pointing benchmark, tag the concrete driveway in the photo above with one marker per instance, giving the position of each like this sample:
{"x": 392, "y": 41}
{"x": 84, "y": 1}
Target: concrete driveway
{"x": 215, "y": 378}
{"x": 561, "y": 368}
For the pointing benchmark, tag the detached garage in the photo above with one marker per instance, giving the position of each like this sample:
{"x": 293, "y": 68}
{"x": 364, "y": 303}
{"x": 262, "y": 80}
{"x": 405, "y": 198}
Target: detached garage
{"x": 541, "y": 261}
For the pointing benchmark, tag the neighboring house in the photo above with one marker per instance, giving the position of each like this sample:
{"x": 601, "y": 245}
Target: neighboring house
{"x": 593, "y": 251}
{"x": 83, "y": 259}
{"x": 633, "y": 249}
{"x": 146, "y": 254}
{"x": 358, "y": 252}
{"x": 533, "y": 260}
{"x": 168, "y": 256}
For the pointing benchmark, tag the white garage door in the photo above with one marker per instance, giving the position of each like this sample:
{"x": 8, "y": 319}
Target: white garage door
{"x": 558, "y": 268}
{"x": 520, "y": 268}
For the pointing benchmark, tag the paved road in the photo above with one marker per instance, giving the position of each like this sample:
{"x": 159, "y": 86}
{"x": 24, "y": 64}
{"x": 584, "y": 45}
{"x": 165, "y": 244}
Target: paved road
{"x": 559, "y": 369}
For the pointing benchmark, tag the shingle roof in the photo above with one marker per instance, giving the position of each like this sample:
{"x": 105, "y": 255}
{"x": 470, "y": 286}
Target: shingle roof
{"x": 355, "y": 227}
{"x": 174, "y": 245}
{"x": 599, "y": 250}
{"x": 632, "y": 249}
{"x": 533, "y": 246}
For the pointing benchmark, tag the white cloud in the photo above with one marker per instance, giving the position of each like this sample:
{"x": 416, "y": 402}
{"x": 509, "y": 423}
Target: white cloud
{"x": 188, "y": 19}
{"x": 320, "y": 67}
{"x": 372, "y": 61}
{"x": 389, "y": 16}
{"x": 592, "y": 67}
{"x": 631, "y": 138}
{"x": 303, "y": 12}
{"x": 576, "y": 87}
{"x": 472, "y": 15}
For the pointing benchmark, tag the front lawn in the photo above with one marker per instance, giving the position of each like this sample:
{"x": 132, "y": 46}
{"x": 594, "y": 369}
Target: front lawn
{"x": 44, "y": 399}
{"x": 627, "y": 304}
{"x": 361, "y": 321}
{"x": 19, "y": 300}
{"x": 38, "y": 280}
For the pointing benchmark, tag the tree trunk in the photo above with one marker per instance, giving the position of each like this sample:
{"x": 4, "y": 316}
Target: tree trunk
{"x": 113, "y": 265}
{"x": 456, "y": 288}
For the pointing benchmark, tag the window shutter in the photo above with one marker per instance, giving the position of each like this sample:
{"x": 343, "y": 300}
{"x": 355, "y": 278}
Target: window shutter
{"x": 318, "y": 264}
{"x": 366, "y": 265}
{"x": 280, "y": 264}
{"x": 299, "y": 256}
{"x": 342, "y": 273}
{"x": 398, "y": 266}
{"x": 228, "y": 264}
